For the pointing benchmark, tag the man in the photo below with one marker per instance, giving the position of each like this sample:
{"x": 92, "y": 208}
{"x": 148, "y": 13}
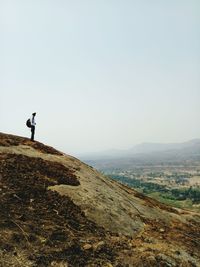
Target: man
{"x": 33, "y": 126}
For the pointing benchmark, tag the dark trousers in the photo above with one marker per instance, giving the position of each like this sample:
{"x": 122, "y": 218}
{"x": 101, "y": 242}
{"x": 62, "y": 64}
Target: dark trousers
{"x": 32, "y": 132}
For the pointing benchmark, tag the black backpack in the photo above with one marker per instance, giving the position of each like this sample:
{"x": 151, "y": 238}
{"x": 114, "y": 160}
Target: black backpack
{"x": 28, "y": 123}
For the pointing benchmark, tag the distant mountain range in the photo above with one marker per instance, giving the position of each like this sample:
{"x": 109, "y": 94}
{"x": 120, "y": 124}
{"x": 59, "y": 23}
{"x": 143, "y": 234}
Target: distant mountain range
{"x": 157, "y": 147}
{"x": 146, "y": 153}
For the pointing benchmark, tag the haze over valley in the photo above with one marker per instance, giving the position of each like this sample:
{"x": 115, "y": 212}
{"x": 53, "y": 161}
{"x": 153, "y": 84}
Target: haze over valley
{"x": 167, "y": 172}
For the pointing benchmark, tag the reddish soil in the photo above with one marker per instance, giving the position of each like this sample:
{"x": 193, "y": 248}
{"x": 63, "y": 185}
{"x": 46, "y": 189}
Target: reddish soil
{"x": 13, "y": 140}
{"x": 41, "y": 222}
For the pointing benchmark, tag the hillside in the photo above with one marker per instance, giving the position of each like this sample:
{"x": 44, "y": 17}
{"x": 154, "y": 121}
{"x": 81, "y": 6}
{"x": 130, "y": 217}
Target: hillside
{"x": 58, "y": 211}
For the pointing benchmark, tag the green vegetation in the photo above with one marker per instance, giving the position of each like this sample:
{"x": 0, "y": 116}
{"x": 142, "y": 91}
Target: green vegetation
{"x": 147, "y": 187}
{"x": 183, "y": 197}
{"x": 184, "y": 204}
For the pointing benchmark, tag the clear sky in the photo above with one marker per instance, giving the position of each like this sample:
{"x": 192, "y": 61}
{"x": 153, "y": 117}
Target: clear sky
{"x": 100, "y": 74}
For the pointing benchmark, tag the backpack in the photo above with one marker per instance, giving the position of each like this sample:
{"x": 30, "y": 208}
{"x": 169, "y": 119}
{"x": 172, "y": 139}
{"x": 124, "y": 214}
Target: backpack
{"x": 28, "y": 123}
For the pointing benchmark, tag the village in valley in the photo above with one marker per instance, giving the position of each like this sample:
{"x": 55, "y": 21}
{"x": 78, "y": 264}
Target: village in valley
{"x": 177, "y": 185}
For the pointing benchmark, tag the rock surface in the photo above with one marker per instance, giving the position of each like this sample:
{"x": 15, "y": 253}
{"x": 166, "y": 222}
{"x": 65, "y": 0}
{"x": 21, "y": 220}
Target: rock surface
{"x": 58, "y": 211}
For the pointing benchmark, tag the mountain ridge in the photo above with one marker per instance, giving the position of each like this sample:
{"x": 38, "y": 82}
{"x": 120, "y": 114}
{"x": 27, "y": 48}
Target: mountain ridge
{"x": 149, "y": 154}
{"x": 143, "y": 148}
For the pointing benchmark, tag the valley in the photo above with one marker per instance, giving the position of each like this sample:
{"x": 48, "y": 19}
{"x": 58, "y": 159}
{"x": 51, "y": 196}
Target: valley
{"x": 169, "y": 173}
{"x": 177, "y": 185}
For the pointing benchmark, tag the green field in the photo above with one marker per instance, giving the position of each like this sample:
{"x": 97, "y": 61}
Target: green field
{"x": 185, "y": 198}
{"x": 183, "y": 204}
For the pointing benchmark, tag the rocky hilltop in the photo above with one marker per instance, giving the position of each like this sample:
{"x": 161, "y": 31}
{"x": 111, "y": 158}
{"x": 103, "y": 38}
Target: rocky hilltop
{"x": 58, "y": 211}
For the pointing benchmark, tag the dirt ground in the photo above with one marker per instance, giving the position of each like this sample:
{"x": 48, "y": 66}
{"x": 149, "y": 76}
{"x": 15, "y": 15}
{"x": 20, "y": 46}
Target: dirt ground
{"x": 40, "y": 227}
{"x": 41, "y": 222}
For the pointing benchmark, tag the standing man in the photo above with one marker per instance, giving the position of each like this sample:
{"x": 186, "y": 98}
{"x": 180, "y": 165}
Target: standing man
{"x": 33, "y": 126}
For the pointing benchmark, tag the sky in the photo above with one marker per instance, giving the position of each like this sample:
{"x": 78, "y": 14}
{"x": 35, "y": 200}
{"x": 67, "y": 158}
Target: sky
{"x": 100, "y": 74}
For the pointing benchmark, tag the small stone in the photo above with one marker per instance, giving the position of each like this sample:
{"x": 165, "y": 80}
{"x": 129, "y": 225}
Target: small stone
{"x": 43, "y": 240}
{"x": 108, "y": 264}
{"x": 161, "y": 230}
{"x": 151, "y": 260}
{"x": 164, "y": 259}
{"x": 130, "y": 245}
{"x": 87, "y": 246}
{"x": 99, "y": 245}
{"x": 59, "y": 264}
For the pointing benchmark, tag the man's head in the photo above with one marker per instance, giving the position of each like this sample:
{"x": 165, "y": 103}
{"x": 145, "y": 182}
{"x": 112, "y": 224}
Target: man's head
{"x": 34, "y": 113}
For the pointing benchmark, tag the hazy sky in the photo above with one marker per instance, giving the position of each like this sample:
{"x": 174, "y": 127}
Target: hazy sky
{"x": 100, "y": 74}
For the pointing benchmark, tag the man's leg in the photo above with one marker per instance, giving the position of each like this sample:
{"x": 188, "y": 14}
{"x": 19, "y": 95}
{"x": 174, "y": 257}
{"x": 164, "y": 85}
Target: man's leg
{"x": 32, "y": 133}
